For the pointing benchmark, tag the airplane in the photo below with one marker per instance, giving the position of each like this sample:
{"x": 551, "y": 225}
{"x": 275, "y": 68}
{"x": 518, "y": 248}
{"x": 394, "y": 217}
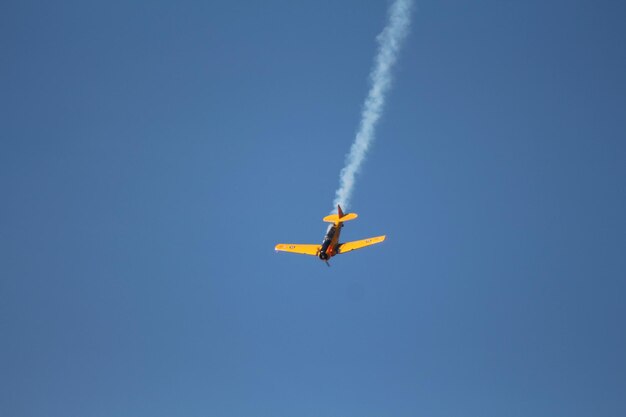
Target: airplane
{"x": 330, "y": 245}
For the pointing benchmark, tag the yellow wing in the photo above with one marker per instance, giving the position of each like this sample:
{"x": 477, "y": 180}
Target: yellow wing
{"x": 296, "y": 248}
{"x": 358, "y": 244}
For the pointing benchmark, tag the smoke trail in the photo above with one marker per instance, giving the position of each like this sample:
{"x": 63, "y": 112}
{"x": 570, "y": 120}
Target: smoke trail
{"x": 389, "y": 42}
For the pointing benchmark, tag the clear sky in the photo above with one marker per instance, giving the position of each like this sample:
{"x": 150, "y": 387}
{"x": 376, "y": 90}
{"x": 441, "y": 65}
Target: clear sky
{"x": 153, "y": 153}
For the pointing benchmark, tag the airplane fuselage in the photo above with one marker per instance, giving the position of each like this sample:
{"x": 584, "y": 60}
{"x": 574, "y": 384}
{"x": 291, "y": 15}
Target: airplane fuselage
{"x": 330, "y": 242}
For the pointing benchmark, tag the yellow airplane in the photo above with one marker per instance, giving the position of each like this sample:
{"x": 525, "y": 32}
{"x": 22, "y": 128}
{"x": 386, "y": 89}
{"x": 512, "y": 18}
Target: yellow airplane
{"x": 330, "y": 245}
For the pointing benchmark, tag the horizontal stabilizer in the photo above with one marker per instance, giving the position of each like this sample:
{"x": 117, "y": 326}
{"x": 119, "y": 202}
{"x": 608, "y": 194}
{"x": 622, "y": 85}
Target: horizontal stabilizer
{"x": 334, "y": 218}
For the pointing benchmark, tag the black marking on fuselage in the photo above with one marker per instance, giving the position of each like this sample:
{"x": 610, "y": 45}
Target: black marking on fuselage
{"x": 329, "y": 239}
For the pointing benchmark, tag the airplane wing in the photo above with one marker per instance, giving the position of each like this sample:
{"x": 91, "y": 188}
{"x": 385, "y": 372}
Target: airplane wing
{"x": 358, "y": 244}
{"x": 296, "y": 248}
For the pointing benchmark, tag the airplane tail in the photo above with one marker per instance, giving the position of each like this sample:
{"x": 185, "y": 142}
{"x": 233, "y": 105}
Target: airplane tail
{"x": 340, "y": 216}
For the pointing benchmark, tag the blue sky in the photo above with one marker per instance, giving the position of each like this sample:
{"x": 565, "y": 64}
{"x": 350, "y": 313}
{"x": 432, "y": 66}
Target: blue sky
{"x": 152, "y": 154}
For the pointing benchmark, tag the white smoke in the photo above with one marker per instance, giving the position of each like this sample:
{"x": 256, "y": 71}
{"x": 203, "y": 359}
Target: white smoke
{"x": 389, "y": 42}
